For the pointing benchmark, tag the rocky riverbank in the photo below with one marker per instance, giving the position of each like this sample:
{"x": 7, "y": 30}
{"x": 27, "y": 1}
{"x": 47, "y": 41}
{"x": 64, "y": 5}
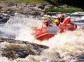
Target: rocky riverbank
{"x": 28, "y": 9}
{"x": 24, "y": 8}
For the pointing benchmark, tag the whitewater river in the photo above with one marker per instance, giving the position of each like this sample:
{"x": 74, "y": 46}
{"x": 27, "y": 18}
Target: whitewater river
{"x": 66, "y": 45}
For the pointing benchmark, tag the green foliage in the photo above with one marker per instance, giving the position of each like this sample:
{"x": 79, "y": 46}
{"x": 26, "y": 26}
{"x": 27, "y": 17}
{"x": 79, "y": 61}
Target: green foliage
{"x": 54, "y": 2}
{"x": 66, "y": 10}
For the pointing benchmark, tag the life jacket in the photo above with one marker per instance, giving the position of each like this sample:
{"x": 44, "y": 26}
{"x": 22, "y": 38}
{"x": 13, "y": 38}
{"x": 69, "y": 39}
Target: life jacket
{"x": 67, "y": 25}
{"x": 67, "y": 21}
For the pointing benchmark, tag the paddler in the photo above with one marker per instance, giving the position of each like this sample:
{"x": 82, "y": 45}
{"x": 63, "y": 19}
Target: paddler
{"x": 61, "y": 17}
{"x": 46, "y": 22}
{"x": 67, "y": 25}
{"x": 56, "y": 21}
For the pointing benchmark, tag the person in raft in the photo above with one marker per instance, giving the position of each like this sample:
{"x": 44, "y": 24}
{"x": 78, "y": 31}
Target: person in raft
{"x": 64, "y": 19}
{"x": 56, "y": 21}
{"x": 46, "y": 22}
{"x": 60, "y": 18}
{"x": 67, "y": 25}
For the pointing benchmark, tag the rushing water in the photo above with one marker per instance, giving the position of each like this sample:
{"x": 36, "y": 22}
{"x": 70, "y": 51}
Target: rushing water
{"x": 65, "y": 46}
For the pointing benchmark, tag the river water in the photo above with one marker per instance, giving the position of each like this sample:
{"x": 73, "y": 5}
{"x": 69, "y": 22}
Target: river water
{"x": 62, "y": 47}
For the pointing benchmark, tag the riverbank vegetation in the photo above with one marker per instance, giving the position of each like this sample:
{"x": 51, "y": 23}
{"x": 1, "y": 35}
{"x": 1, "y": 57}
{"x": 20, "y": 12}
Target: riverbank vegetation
{"x": 66, "y": 10}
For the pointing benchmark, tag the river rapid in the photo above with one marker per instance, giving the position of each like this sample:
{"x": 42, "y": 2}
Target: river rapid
{"x": 63, "y": 47}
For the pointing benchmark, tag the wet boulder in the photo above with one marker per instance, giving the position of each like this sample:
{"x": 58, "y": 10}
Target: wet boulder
{"x": 4, "y": 18}
{"x": 80, "y": 57}
{"x": 20, "y": 49}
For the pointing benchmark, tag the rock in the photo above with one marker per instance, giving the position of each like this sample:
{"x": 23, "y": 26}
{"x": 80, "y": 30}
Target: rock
{"x": 16, "y": 48}
{"x": 26, "y": 11}
{"x": 21, "y": 5}
{"x": 22, "y": 53}
{"x": 2, "y": 5}
{"x": 80, "y": 57}
{"x": 48, "y": 6}
{"x": 24, "y": 8}
{"x": 4, "y": 18}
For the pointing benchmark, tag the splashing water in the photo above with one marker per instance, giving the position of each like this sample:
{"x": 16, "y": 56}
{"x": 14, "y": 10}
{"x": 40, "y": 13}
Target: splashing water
{"x": 19, "y": 27}
{"x": 63, "y": 46}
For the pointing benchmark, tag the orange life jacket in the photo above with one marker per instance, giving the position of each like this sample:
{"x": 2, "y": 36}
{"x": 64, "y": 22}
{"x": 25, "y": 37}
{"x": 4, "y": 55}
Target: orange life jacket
{"x": 67, "y": 21}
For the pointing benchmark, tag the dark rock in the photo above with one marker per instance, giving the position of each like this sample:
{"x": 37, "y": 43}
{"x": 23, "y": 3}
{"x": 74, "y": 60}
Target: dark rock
{"x": 9, "y": 53}
{"x": 81, "y": 57}
{"x": 4, "y": 19}
{"x": 22, "y": 53}
{"x": 41, "y": 6}
{"x": 80, "y": 61}
{"x": 22, "y": 49}
{"x": 15, "y": 53}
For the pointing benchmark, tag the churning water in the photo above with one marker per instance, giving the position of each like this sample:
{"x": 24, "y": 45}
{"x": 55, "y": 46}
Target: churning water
{"x": 62, "y": 47}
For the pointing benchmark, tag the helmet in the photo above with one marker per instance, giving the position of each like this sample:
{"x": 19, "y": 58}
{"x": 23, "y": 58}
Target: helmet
{"x": 56, "y": 20}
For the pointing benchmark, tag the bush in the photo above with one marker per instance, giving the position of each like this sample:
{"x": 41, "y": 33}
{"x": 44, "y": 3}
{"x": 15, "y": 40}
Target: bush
{"x": 65, "y": 10}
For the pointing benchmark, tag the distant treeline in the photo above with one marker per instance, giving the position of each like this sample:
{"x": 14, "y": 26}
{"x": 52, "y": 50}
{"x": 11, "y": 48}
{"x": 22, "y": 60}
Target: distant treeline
{"x": 75, "y": 3}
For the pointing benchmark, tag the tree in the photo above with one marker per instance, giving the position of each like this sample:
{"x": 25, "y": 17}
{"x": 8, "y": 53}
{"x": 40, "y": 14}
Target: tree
{"x": 54, "y": 2}
{"x": 75, "y": 3}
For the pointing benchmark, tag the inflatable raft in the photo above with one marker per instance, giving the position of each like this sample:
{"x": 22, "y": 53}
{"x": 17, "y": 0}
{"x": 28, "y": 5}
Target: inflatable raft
{"x": 48, "y": 32}
{"x": 45, "y": 32}
{"x": 67, "y": 27}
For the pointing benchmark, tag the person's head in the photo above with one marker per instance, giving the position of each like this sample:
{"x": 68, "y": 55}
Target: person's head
{"x": 45, "y": 19}
{"x": 61, "y": 15}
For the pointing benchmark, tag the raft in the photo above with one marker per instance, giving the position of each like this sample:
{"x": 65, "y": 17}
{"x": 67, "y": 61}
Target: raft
{"x": 45, "y": 33}
{"x": 67, "y": 27}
